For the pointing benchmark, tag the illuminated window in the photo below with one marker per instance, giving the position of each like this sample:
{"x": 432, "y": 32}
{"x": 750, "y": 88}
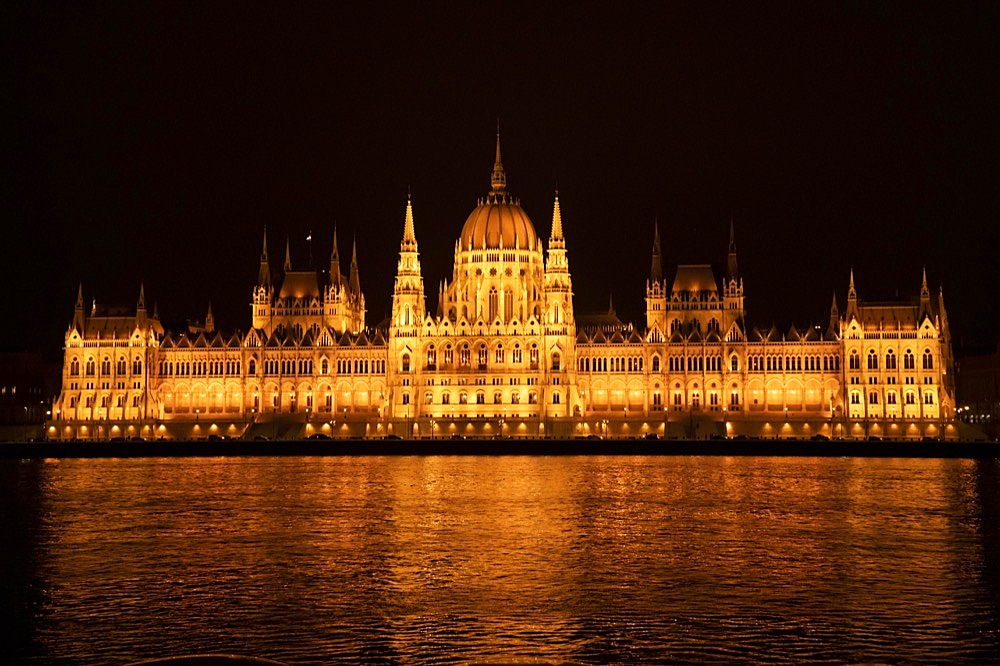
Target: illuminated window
{"x": 855, "y": 360}
{"x": 928, "y": 361}
{"x": 872, "y": 360}
{"x": 463, "y": 355}
{"x": 499, "y": 354}
{"x": 890, "y": 360}
{"x": 928, "y": 398}
{"x": 555, "y": 398}
{"x": 405, "y": 363}
{"x": 406, "y": 398}
{"x": 555, "y": 360}
{"x": 909, "y": 361}
{"x": 855, "y": 398}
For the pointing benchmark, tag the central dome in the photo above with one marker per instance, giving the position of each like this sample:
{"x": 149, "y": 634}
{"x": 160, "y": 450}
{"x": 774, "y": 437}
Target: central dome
{"x": 498, "y": 221}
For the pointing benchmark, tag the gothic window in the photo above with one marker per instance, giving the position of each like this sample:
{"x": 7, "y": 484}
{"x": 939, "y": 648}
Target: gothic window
{"x": 675, "y": 325}
{"x": 909, "y": 362}
{"x": 463, "y": 355}
{"x": 405, "y": 363}
{"x": 449, "y": 355}
{"x": 855, "y": 360}
{"x": 406, "y": 398}
{"x": 533, "y": 356}
{"x": 855, "y": 398}
{"x": 494, "y": 303}
{"x": 106, "y": 366}
{"x": 482, "y": 356}
{"x": 497, "y": 398}
{"x": 516, "y": 358}
{"x": 324, "y": 366}
{"x": 890, "y": 360}
{"x": 121, "y": 366}
{"x": 872, "y": 360}
{"x": 91, "y": 366}
{"x": 480, "y": 398}
{"x": 734, "y": 364}
{"x": 656, "y": 363}
{"x": 555, "y": 360}
{"x": 515, "y": 398}
{"x": 928, "y": 361}
{"x": 252, "y": 367}
{"x": 734, "y": 399}
{"x": 446, "y": 399}
{"x": 428, "y": 398}
{"x": 431, "y": 357}
{"x": 532, "y": 398}
{"x": 74, "y": 367}
{"x": 890, "y": 398}
{"x": 873, "y": 398}
{"x": 928, "y": 398}
{"x": 910, "y": 399}
{"x": 555, "y": 398}
{"x": 499, "y": 354}
{"x": 463, "y": 398}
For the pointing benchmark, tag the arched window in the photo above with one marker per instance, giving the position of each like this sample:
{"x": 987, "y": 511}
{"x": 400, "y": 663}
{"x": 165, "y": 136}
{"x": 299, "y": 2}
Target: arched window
{"x": 91, "y": 366}
{"x": 928, "y": 362}
{"x": 122, "y": 366}
{"x": 656, "y": 363}
{"x": 855, "y": 360}
{"x": 324, "y": 366}
{"x": 463, "y": 398}
{"x": 431, "y": 357}
{"x": 872, "y": 360}
{"x": 734, "y": 364}
{"x": 74, "y": 367}
{"x": 497, "y": 398}
{"x": 890, "y": 360}
{"x": 555, "y": 398}
{"x": 499, "y": 354}
{"x": 494, "y": 304}
{"x": 404, "y": 363}
{"x": 252, "y": 367}
{"x": 555, "y": 360}
{"x": 909, "y": 361}
{"x": 480, "y": 398}
{"x": 106, "y": 366}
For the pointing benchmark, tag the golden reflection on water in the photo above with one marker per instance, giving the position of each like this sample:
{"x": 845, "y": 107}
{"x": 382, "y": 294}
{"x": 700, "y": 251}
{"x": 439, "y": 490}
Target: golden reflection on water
{"x": 460, "y": 558}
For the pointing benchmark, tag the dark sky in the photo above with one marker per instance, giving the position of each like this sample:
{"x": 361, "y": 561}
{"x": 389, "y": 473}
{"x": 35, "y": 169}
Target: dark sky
{"x": 152, "y": 142}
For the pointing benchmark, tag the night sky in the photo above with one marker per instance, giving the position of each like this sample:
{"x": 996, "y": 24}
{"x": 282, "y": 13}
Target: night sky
{"x": 152, "y": 143}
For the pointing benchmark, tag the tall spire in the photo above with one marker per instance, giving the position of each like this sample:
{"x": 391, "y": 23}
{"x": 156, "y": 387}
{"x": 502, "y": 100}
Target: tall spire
{"x": 264, "y": 275}
{"x": 409, "y": 235}
{"x": 334, "y": 260}
{"x": 288, "y": 255}
{"x": 499, "y": 179}
{"x": 209, "y": 320}
{"x": 923, "y": 285}
{"x": 852, "y": 294}
{"x": 557, "y": 230}
{"x": 355, "y": 279}
{"x": 734, "y": 271}
{"x": 656, "y": 269}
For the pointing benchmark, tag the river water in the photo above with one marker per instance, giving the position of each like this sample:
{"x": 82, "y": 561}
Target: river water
{"x": 502, "y": 559}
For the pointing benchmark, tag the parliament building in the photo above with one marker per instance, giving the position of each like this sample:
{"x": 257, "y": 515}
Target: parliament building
{"x": 504, "y": 354}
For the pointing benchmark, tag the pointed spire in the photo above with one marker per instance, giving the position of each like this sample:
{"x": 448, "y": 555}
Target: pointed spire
{"x": 852, "y": 294}
{"x": 288, "y": 255}
{"x": 499, "y": 180}
{"x": 141, "y": 305}
{"x": 923, "y": 285}
{"x": 656, "y": 268}
{"x": 557, "y": 230}
{"x": 79, "y": 297}
{"x": 334, "y": 260}
{"x": 209, "y": 320}
{"x": 355, "y": 279}
{"x": 611, "y": 303}
{"x": 834, "y": 313}
{"x": 733, "y": 266}
{"x": 264, "y": 275}
{"x": 409, "y": 235}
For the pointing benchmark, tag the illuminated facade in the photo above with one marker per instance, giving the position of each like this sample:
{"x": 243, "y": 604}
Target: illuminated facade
{"x": 504, "y": 354}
